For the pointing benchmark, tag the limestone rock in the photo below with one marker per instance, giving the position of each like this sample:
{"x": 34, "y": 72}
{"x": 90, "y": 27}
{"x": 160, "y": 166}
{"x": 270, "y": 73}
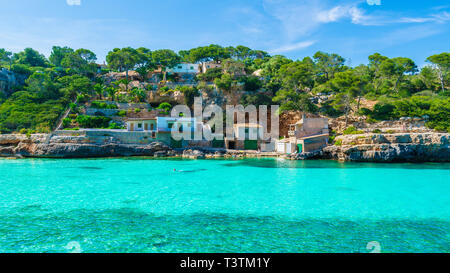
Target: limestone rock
{"x": 413, "y": 147}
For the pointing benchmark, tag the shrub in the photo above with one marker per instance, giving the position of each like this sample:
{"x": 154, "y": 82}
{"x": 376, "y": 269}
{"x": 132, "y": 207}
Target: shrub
{"x": 165, "y": 107}
{"x": 122, "y": 113}
{"x": 352, "y": 131}
{"x": 83, "y": 98}
{"x": 377, "y": 131}
{"x": 103, "y": 105}
{"x": 114, "y": 125}
{"x": 252, "y": 83}
{"x": 27, "y": 110}
{"x": 338, "y": 142}
{"x": 93, "y": 122}
{"x": 67, "y": 122}
{"x": 364, "y": 112}
{"x": 331, "y": 139}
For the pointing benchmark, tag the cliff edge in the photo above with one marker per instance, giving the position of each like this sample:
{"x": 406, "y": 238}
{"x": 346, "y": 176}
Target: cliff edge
{"x": 406, "y": 147}
{"x": 50, "y": 146}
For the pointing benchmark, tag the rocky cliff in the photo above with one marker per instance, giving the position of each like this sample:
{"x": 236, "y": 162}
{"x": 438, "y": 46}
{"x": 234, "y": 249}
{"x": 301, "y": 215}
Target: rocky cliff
{"x": 408, "y": 147}
{"x": 49, "y": 146}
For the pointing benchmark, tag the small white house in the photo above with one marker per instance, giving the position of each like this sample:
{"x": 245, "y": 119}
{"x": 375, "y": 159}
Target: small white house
{"x": 141, "y": 125}
{"x": 184, "y": 68}
{"x": 248, "y": 131}
{"x": 286, "y": 147}
{"x": 209, "y": 65}
{"x": 165, "y": 124}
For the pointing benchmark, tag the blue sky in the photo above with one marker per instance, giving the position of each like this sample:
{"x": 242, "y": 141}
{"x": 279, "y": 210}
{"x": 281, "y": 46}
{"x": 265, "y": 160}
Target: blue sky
{"x": 294, "y": 28}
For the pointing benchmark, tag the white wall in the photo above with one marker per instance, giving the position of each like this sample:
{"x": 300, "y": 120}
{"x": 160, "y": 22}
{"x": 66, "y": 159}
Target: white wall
{"x": 240, "y": 132}
{"x": 163, "y": 123}
{"x": 184, "y": 68}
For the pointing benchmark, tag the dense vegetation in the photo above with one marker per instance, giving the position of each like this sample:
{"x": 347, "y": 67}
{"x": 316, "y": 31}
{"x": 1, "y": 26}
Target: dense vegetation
{"x": 318, "y": 84}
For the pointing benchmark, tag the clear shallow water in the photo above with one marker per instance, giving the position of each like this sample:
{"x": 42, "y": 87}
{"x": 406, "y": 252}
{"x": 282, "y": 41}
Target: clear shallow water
{"x": 142, "y": 205}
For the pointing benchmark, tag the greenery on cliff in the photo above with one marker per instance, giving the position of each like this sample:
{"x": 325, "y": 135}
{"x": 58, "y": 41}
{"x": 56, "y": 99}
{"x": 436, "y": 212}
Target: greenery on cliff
{"x": 322, "y": 83}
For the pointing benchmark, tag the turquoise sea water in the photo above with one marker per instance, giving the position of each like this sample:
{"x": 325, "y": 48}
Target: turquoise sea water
{"x": 142, "y": 205}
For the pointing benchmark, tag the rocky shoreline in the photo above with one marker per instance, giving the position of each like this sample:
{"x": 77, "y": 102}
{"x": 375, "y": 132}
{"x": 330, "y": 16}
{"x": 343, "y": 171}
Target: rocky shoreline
{"x": 47, "y": 146}
{"x": 408, "y": 147}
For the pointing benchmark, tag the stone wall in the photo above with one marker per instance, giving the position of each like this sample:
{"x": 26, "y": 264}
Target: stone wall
{"x": 102, "y": 112}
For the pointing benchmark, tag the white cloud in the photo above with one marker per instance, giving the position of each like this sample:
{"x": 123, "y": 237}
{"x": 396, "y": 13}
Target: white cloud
{"x": 73, "y": 2}
{"x": 436, "y": 18}
{"x": 302, "y": 17}
{"x": 292, "y": 47}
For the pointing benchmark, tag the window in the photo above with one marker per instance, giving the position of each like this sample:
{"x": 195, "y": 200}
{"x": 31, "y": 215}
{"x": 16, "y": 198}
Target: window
{"x": 139, "y": 125}
{"x": 152, "y": 127}
{"x": 192, "y": 68}
{"x": 170, "y": 125}
{"x": 179, "y": 67}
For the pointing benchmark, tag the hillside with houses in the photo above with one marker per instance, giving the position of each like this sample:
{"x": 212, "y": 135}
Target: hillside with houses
{"x": 133, "y": 93}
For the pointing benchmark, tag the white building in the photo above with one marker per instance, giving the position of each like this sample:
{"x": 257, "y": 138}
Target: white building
{"x": 209, "y": 65}
{"x": 141, "y": 124}
{"x": 184, "y": 68}
{"x": 165, "y": 124}
{"x": 248, "y": 131}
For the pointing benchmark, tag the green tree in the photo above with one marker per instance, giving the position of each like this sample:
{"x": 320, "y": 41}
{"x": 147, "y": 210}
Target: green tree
{"x": 82, "y": 61}
{"x": 58, "y": 53}
{"x": 442, "y": 63}
{"x": 428, "y": 77}
{"x": 207, "y": 53}
{"x": 165, "y": 58}
{"x": 6, "y": 56}
{"x": 375, "y": 61}
{"x": 229, "y": 85}
{"x": 189, "y": 94}
{"x": 111, "y": 91}
{"x": 165, "y": 107}
{"x": 123, "y": 59}
{"x": 297, "y": 76}
{"x": 397, "y": 68}
{"x": 43, "y": 86}
{"x": 273, "y": 65}
{"x": 232, "y": 67}
{"x": 349, "y": 85}
{"x": 291, "y": 100}
{"x": 99, "y": 90}
{"x": 328, "y": 64}
{"x": 144, "y": 62}
{"x": 138, "y": 95}
{"x": 242, "y": 52}
{"x": 75, "y": 84}
{"x": 30, "y": 57}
